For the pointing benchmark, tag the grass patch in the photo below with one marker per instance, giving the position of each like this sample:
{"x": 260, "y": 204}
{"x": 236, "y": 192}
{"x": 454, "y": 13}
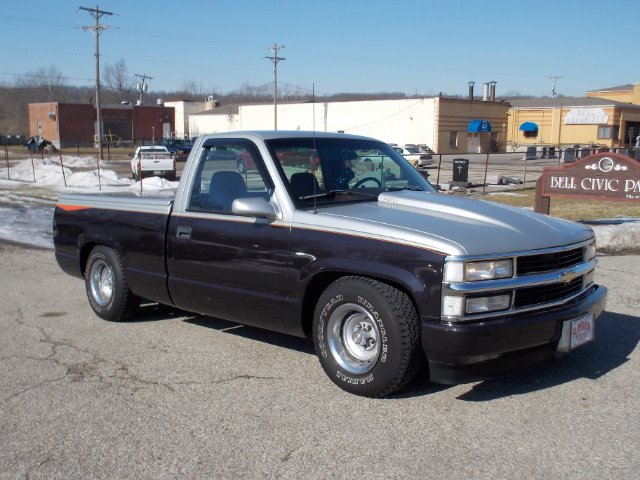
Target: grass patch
{"x": 569, "y": 209}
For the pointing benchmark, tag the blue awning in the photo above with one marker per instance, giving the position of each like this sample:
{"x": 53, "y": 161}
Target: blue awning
{"x": 529, "y": 127}
{"x": 478, "y": 126}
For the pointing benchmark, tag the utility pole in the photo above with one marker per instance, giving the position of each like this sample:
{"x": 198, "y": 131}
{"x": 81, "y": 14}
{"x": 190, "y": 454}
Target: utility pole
{"x": 554, "y": 79}
{"x": 142, "y": 86}
{"x": 275, "y": 59}
{"x": 97, "y": 29}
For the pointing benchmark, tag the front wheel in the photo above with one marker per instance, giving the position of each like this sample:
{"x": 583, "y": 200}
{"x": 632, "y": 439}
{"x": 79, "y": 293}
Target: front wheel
{"x": 106, "y": 285}
{"x": 366, "y": 335}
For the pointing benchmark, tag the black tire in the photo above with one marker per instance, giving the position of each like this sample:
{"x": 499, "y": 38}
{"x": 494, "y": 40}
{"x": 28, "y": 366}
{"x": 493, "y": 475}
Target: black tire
{"x": 366, "y": 334}
{"x": 106, "y": 285}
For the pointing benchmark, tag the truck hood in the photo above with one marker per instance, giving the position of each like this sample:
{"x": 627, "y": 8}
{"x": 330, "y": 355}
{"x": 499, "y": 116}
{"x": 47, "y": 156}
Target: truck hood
{"x": 448, "y": 224}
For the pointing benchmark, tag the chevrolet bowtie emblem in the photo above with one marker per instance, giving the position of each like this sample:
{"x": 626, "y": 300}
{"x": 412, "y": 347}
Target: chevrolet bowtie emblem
{"x": 567, "y": 277}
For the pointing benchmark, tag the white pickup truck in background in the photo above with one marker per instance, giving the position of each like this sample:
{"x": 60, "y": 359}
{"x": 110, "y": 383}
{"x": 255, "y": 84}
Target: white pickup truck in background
{"x": 153, "y": 160}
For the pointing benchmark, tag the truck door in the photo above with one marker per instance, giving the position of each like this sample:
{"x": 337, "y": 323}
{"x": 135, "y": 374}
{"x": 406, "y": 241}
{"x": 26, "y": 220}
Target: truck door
{"x": 225, "y": 265}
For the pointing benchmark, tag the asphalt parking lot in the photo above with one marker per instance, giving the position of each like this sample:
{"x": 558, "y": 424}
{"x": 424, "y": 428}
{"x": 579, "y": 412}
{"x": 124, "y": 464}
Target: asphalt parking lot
{"x": 173, "y": 395}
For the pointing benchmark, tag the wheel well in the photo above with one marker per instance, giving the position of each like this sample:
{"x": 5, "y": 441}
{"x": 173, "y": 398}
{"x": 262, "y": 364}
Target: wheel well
{"x": 320, "y": 282}
{"x": 85, "y": 251}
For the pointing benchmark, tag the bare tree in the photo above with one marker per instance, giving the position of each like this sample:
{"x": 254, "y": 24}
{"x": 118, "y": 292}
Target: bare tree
{"x": 192, "y": 88}
{"x": 116, "y": 76}
{"x": 49, "y": 77}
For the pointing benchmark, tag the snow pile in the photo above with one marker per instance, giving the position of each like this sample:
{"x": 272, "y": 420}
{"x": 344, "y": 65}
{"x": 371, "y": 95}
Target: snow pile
{"x": 154, "y": 183}
{"x": 619, "y": 235}
{"x": 79, "y": 174}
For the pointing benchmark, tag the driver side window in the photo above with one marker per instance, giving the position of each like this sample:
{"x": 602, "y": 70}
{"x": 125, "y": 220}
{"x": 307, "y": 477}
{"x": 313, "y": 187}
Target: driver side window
{"x": 227, "y": 171}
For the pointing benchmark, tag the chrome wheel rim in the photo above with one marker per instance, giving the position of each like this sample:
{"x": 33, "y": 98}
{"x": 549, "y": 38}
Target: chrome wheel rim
{"x": 101, "y": 282}
{"x": 354, "y": 338}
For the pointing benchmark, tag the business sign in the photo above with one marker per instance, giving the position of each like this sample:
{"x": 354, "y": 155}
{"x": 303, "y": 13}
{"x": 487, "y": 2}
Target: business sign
{"x": 603, "y": 176}
{"x": 586, "y": 116}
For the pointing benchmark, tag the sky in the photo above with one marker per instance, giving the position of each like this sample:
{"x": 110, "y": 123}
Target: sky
{"x": 417, "y": 47}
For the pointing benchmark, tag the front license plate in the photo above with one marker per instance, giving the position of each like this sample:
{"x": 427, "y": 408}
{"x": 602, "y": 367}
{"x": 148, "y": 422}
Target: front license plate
{"x": 576, "y": 333}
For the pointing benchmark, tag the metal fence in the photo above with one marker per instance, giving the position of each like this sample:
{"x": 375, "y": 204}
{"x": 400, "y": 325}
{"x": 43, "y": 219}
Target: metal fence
{"x": 478, "y": 171}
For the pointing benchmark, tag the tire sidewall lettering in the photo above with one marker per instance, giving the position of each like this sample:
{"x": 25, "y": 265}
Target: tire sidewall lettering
{"x": 383, "y": 331}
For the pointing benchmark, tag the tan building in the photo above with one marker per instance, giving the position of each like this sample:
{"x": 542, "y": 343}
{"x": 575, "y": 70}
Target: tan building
{"x": 624, "y": 93}
{"x": 568, "y": 121}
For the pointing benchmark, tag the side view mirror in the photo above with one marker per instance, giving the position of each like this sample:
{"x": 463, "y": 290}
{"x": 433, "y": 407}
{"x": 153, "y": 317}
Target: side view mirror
{"x": 254, "y": 207}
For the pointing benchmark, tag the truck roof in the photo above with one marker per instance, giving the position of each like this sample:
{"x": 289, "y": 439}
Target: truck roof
{"x": 276, "y": 134}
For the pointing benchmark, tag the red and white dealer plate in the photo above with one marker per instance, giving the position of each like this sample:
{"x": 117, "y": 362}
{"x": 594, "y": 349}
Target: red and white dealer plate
{"x": 576, "y": 333}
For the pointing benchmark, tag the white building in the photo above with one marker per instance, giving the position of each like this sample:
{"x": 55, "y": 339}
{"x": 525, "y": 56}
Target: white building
{"x": 183, "y": 109}
{"x": 444, "y": 124}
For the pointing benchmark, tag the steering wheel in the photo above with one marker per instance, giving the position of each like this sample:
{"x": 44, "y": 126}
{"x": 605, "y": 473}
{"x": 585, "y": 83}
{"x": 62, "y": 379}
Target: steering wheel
{"x": 360, "y": 182}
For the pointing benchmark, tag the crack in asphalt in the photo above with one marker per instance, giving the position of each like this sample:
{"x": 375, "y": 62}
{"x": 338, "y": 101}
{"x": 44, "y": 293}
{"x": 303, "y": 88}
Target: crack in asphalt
{"x": 600, "y": 267}
{"x": 75, "y": 371}
{"x": 245, "y": 377}
{"x": 88, "y": 370}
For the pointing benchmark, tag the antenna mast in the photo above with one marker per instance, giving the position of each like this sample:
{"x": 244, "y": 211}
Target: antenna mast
{"x": 275, "y": 59}
{"x": 97, "y": 29}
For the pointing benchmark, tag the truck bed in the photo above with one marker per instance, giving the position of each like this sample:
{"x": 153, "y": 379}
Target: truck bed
{"x": 133, "y": 223}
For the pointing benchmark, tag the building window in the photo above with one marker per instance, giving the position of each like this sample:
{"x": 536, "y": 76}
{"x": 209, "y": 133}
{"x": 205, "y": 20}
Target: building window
{"x": 453, "y": 139}
{"x": 530, "y": 134}
{"x": 604, "y": 131}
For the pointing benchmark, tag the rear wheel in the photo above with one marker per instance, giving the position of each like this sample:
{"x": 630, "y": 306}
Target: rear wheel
{"x": 107, "y": 288}
{"x": 366, "y": 335}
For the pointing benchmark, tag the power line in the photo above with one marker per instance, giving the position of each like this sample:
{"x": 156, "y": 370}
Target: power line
{"x": 275, "y": 59}
{"x": 97, "y": 29}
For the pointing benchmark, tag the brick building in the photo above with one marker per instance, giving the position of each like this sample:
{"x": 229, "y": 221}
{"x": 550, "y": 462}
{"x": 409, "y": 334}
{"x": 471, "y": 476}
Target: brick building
{"x": 74, "y": 124}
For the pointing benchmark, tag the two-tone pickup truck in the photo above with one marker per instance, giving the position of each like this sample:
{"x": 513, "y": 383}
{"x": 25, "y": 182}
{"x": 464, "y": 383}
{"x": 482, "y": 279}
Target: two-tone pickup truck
{"x": 338, "y": 238}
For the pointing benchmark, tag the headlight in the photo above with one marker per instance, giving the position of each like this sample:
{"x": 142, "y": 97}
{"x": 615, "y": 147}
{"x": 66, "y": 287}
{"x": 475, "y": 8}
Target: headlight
{"x": 475, "y": 271}
{"x": 590, "y": 251}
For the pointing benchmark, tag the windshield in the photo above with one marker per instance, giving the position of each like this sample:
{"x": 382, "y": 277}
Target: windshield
{"x": 342, "y": 169}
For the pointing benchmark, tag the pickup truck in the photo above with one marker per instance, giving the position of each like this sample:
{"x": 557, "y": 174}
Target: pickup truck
{"x": 153, "y": 160}
{"x": 339, "y": 239}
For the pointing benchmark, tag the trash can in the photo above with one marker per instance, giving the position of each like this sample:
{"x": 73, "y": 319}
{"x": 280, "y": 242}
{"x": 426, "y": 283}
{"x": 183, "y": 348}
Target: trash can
{"x": 569, "y": 155}
{"x": 531, "y": 154}
{"x": 552, "y": 152}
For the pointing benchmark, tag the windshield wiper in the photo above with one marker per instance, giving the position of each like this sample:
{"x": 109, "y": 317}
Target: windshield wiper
{"x": 333, "y": 193}
{"x": 399, "y": 189}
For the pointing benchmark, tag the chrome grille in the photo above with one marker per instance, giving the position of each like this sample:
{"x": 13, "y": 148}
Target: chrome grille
{"x": 529, "y": 296}
{"x": 547, "y": 262}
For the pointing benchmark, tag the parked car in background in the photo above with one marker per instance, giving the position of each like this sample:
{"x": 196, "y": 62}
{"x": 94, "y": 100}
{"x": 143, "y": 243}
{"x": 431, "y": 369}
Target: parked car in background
{"x": 414, "y": 155}
{"x": 37, "y": 143}
{"x": 153, "y": 160}
{"x": 177, "y": 146}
